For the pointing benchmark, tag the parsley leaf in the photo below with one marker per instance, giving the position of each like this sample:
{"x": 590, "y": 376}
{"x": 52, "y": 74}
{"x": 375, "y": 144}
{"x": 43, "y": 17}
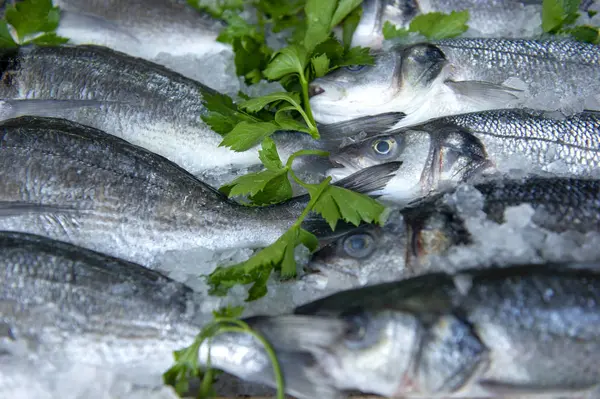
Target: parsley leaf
{"x": 585, "y": 33}
{"x": 6, "y": 39}
{"x": 344, "y": 8}
{"x": 289, "y": 60}
{"x": 437, "y": 25}
{"x": 318, "y": 14}
{"x": 216, "y": 8}
{"x": 222, "y": 114}
{"x": 34, "y": 21}
{"x": 556, "y": 14}
{"x": 246, "y": 135}
{"x": 269, "y": 156}
{"x": 390, "y": 31}
{"x": 320, "y": 65}
{"x": 349, "y": 26}
{"x": 256, "y": 104}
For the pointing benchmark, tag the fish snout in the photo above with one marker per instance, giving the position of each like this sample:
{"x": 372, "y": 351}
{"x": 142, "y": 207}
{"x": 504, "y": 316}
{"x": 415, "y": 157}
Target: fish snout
{"x": 315, "y": 90}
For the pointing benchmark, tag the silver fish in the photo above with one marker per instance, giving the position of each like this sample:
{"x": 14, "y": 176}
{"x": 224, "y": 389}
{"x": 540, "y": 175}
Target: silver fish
{"x": 521, "y": 331}
{"x": 432, "y": 226}
{"x": 73, "y": 306}
{"x": 452, "y": 149}
{"x": 487, "y": 18}
{"x": 455, "y": 76}
{"x": 139, "y": 101}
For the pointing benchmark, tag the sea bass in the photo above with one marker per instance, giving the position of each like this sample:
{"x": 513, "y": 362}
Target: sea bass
{"x": 487, "y": 18}
{"x": 139, "y": 101}
{"x": 432, "y": 226}
{"x": 70, "y": 307}
{"x": 77, "y": 184}
{"x": 455, "y": 76}
{"x": 454, "y": 149}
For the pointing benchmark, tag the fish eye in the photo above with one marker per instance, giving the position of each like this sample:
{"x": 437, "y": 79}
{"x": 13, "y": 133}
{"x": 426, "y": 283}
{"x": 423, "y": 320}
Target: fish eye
{"x": 384, "y": 146}
{"x": 354, "y": 68}
{"x": 359, "y": 245}
{"x": 357, "y": 323}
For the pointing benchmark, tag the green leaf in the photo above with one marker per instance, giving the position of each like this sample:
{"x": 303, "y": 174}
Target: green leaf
{"x": 48, "y": 39}
{"x": 222, "y": 115}
{"x": 250, "y": 183}
{"x": 268, "y": 155}
{"x": 357, "y": 56}
{"x": 437, "y": 25}
{"x": 308, "y": 239}
{"x": 276, "y": 190}
{"x": 237, "y": 27}
{"x": 320, "y": 64}
{"x": 390, "y": 31}
{"x": 6, "y": 39}
{"x": 558, "y": 13}
{"x": 319, "y": 14}
{"x": 344, "y": 8}
{"x": 337, "y": 203}
{"x": 246, "y": 135}
{"x": 289, "y": 60}
{"x": 33, "y": 16}
{"x": 232, "y": 312}
{"x": 332, "y": 48}
{"x": 258, "y": 103}
{"x": 349, "y": 27}
{"x": 286, "y": 122}
{"x": 585, "y": 33}
{"x": 216, "y": 8}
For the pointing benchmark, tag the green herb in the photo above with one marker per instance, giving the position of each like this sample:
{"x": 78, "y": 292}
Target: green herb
{"x": 186, "y": 360}
{"x": 559, "y": 17}
{"x": 434, "y": 26}
{"x": 333, "y": 203}
{"x": 33, "y": 21}
{"x": 216, "y": 8}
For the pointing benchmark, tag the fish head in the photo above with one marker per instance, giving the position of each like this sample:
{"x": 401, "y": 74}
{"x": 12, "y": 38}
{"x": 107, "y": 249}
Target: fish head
{"x": 400, "y": 81}
{"x": 432, "y": 159}
{"x": 369, "y": 31}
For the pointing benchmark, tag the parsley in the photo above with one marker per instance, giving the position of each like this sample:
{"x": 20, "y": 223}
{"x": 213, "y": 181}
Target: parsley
{"x": 433, "y": 25}
{"x": 216, "y": 8}
{"x": 30, "y": 21}
{"x": 559, "y": 17}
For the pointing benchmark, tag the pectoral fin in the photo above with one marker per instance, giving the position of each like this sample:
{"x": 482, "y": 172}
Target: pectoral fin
{"x": 484, "y": 91}
{"x": 506, "y": 389}
{"x": 48, "y": 108}
{"x": 12, "y": 209}
{"x": 370, "y": 179}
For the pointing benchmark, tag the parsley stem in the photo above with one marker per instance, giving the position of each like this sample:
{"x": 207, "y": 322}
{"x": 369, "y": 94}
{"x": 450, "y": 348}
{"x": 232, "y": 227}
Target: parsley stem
{"x": 305, "y": 99}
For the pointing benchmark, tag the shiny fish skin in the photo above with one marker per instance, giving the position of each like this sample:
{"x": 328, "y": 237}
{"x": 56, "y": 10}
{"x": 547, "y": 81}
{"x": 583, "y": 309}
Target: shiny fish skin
{"x": 77, "y": 184}
{"x": 139, "y": 101}
{"x": 508, "y": 139}
{"x": 87, "y": 308}
{"x": 434, "y": 225}
{"x": 455, "y": 76}
{"x": 515, "y": 331}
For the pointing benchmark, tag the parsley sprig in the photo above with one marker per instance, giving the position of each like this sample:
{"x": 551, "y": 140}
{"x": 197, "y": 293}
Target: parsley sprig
{"x": 30, "y": 22}
{"x": 559, "y": 18}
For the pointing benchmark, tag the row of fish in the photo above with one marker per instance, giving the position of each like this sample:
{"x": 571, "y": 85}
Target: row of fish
{"x": 108, "y": 171}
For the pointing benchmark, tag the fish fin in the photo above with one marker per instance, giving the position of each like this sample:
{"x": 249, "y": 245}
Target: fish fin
{"x": 47, "y": 108}
{"x": 11, "y": 209}
{"x": 506, "y": 389}
{"x": 483, "y": 91}
{"x": 71, "y": 18}
{"x": 373, "y": 178}
{"x": 372, "y": 124}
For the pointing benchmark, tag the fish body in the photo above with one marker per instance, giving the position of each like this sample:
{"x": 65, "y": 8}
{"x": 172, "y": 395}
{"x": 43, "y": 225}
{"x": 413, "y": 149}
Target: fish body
{"x": 139, "y": 101}
{"x": 519, "y": 331}
{"x": 79, "y": 185}
{"x": 455, "y": 76}
{"x": 454, "y": 149}
{"x": 433, "y": 226}
{"x": 77, "y": 308}
{"x": 492, "y": 18}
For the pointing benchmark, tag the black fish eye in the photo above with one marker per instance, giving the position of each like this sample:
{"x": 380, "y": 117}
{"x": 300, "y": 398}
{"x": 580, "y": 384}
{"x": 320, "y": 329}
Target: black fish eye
{"x": 354, "y": 68}
{"x": 359, "y": 245}
{"x": 357, "y": 324}
{"x": 383, "y": 146}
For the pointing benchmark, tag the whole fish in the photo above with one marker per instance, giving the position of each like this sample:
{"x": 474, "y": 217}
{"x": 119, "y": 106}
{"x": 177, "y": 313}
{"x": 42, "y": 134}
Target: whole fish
{"x": 432, "y": 226}
{"x": 77, "y": 184}
{"x": 487, "y": 18}
{"x": 139, "y": 101}
{"x": 74, "y": 306}
{"x": 455, "y": 76}
{"x": 452, "y": 149}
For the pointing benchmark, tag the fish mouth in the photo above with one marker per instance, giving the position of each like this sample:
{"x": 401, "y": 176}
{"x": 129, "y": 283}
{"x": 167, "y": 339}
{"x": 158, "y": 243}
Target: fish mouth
{"x": 315, "y": 90}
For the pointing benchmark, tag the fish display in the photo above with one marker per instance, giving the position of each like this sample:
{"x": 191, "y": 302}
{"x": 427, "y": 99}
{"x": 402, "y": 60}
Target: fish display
{"x": 139, "y": 101}
{"x": 454, "y": 149}
{"x": 454, "y": 76}
{"x": 82, "y": 307}
{"x": 434, "y": 225}
{"x": 487, "y": 18}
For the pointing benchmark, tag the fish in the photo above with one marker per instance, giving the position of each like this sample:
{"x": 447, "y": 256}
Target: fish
{"x": 519, "y": 331}
{"x": 487, "y": 18}
{"x": 134, "y": 99}
{"x": 454, "y": 76}
{"x": 426, "y": 230}
{"x": 77, "y": 184}
{"x": 446, "y": 151}
{"x": 73, "y": 306}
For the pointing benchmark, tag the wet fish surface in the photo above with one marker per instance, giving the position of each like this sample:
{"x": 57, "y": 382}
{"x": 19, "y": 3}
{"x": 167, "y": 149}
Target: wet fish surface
{"x": 139, "y": 101}
{"x": 454, "y": 149}
{"x": 505, "y": 332}
{"x": 455, "y": 76}
{"x": 76, "y": 306}
{"x": 79, "y": 185}
{"x": 434, "y": 225}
